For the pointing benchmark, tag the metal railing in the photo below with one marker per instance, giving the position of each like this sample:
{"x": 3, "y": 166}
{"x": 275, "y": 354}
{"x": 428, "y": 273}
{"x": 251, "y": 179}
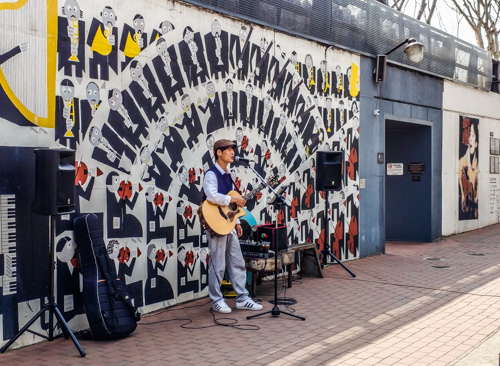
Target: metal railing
{"x": 366, "y": 27}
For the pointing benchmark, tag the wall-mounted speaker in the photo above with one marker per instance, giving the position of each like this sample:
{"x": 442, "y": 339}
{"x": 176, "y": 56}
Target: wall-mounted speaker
{"x": 54, "y": 181}
{"x": 329, "y": 170}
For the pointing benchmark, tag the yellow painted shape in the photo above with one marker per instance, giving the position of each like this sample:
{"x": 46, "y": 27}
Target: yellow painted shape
{"x": 101, "y": 44}
{"x": 13, "y": 6}
{"x": 354, "y": 87}
{"x": 132, "y": 49}
{"x": 51, "y": 67}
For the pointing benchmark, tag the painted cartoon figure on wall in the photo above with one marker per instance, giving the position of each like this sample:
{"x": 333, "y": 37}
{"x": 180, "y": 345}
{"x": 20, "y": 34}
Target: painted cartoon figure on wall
{"x": 67, "y": 115}
{"x": 217, "y": 51}
{"x": 71, "y": 45}
{"x": 89, "y": 107}
{"x": 102, "y": 38}
{"x": 157, "y": 287}
{"x": 125, "y": 261}
{"x": 9, "y": 111}
{"x": 68, "y": 277}
{"x": 133, "y": 40}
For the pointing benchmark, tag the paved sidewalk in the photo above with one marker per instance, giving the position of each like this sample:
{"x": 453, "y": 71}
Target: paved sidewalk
{"x": 418, "y": 304}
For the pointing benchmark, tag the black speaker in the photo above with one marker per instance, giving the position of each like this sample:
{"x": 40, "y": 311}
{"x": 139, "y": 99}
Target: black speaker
{"x": 54, "y": 181}
{"x": 329, "y": 170}
{"x": 276, "y": 236}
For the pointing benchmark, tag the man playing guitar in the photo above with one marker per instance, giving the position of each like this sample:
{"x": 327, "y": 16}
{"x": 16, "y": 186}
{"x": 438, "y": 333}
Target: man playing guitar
{"x": 217, "y": 183}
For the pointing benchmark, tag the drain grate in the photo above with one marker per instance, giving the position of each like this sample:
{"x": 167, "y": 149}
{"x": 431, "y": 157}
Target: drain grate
{"x": 441, "y": 266}
{"x": 433, "y": 259}
{"x": 476, "y": 254}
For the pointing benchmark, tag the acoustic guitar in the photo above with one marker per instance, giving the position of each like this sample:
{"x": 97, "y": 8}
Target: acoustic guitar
{"x": 221, "y": 220}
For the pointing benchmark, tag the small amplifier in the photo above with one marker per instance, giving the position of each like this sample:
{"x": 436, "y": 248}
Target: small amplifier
{"x": 275, "y": 235}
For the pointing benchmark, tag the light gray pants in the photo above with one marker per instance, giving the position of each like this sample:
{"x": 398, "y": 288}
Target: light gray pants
{"x": 225, "y": 252}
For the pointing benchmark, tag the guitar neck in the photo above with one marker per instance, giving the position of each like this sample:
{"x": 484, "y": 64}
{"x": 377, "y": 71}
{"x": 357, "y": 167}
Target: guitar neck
{"x": 254, "y": 191}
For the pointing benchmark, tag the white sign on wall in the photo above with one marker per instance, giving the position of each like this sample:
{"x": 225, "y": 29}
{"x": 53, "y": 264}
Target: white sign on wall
{"x": 395, "y": 168}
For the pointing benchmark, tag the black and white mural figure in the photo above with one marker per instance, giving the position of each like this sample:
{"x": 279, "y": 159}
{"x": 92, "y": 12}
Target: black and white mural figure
{"x": 89, "y": 107}
{"x": 154, "y": 169}
{"x": 230, "y": 104}
{"x": 239, "y": 53}
{"x": 125, "y": 118}
{"x": 265, "y": 117}
{"x": 339, "y": 86}
{"x": 67, "y": 115}
{"x": 309, "y": 74}
{"x": 189, "y": 120}
{"x": 211, "y": 105}
{"x": 121, "y": 198}
{"x": 102, "y": 38}
{"x": 125, "y": 261}
{"x": 323, "y": 79}
{"x": 164, "y": 28}
{"x": 248, "y": 106}
{"x": 157, "y": 287}
{"x": 71, "y": 35}
{"x": 110, "y": 149}
{"x": 278, "y": 75}
{"x": 193, "y": 57}
{"x": 217, "y": 44}
{"x": 260, "y": 62}
{"x": 170, "y": 142}
{"x": 167, "y": 69}
{"x": 157, "y": 204}
{"x": 145, "y": 91}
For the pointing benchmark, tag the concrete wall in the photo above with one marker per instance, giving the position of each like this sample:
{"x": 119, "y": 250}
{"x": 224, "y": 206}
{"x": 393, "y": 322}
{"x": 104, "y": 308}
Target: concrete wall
{"x": 461, "y": 102}
{"x": 405, "y": 96}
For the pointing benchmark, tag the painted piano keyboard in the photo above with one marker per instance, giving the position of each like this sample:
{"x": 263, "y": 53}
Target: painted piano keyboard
{"x": 8, "y": 244}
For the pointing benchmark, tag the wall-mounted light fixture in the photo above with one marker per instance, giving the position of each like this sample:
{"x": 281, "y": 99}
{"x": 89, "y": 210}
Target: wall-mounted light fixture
{"x": 413, "y": 49}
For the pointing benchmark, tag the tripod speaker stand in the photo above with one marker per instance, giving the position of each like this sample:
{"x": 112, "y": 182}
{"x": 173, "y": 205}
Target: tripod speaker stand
{"x": 51, "y": 307}
{"x": 329, "y": 177}
{"x": 54, "y": 195}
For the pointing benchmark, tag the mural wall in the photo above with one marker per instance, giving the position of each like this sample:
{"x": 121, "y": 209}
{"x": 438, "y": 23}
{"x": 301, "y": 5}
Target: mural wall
{"x": 142, "y": 92}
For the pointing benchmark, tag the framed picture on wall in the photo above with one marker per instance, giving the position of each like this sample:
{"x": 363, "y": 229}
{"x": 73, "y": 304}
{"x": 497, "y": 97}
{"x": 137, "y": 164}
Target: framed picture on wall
{"x": 494, "y": 164}
{"x": 494, "y": 146}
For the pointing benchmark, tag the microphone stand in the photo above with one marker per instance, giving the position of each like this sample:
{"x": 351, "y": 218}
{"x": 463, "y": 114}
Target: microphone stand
{"x": 279, "y": 200}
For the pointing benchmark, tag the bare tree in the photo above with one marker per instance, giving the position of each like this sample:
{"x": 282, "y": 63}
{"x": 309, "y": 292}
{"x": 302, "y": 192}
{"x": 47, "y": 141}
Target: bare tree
{"x": 482, "y": 16}
{"x": 423, "y": 9}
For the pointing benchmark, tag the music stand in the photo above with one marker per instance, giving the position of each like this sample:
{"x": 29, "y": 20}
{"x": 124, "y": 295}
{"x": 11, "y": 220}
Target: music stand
{"x": 279, "y": 200}
{"x": 51, "y": 306}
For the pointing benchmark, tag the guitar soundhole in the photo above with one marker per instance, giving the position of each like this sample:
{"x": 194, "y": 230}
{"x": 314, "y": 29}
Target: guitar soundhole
{"x": 233, "y": 206}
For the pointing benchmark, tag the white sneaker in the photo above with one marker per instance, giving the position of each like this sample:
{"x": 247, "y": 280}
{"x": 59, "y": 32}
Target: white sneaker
{"x": 248, "y": 304}
{"x": 221, "y": 307}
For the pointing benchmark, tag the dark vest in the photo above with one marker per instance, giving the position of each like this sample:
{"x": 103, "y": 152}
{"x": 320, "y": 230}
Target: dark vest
{"x": 224, "y": 181}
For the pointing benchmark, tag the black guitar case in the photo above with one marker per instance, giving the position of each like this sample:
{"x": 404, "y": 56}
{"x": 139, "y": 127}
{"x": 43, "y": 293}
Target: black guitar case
{"x": 109, "y": 310}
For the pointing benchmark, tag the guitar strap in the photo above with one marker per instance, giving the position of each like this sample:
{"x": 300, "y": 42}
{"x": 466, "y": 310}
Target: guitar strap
{"x": 235, "y": 186}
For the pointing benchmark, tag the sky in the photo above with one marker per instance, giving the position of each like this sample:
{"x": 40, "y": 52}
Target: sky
{"x": 449, "y": 21}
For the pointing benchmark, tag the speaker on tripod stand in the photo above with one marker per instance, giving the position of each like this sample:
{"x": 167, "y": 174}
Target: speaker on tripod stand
{"x": 329, "y": 177}
{"x": 54, "y": 195}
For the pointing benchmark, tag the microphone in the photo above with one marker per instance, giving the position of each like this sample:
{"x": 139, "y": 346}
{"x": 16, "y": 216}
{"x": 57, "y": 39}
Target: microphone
{"x": 243, "y": 160}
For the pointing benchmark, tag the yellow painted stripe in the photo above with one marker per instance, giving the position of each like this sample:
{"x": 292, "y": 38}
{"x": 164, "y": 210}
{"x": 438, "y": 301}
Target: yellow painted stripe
{"x": 13, "y": 6}
{"x": 51, "y": 62}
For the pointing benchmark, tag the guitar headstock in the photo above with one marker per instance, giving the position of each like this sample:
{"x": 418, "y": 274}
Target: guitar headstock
{"x": 273, "y": 180}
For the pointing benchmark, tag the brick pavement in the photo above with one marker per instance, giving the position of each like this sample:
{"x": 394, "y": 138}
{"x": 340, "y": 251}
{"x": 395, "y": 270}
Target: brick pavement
{"x": 418, "y": 304}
